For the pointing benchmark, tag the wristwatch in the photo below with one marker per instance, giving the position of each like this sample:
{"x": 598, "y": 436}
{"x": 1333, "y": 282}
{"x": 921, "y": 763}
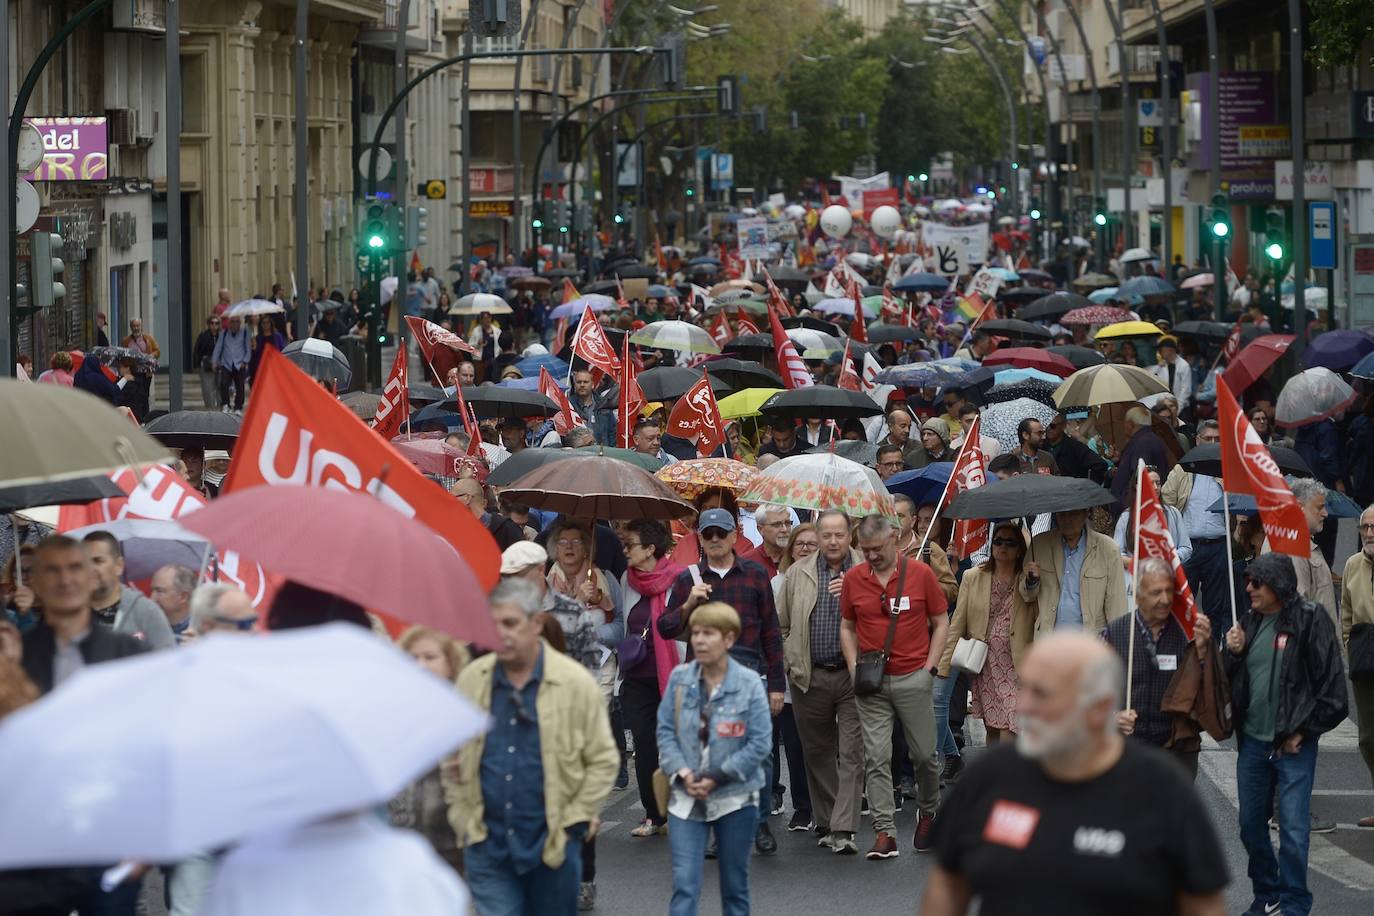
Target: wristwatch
{"x": 934, "y": 670}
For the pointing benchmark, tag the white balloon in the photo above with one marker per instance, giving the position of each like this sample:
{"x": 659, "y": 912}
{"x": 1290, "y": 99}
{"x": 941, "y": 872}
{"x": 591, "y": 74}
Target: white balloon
{"x": 836, "y": 221}
{"x": 885, "y": 221}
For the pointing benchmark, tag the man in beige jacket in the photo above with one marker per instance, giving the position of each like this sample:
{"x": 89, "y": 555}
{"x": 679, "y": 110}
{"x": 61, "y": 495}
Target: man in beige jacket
{"x": 1314, "y": 576}
{"x": 1357, "y": 606}
{"x": 1075, "y": 576}
{"x": 822, "y": 690}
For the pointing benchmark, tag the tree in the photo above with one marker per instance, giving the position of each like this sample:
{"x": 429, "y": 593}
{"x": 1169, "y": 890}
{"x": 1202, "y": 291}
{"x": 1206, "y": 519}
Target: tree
{"x": 1338, "y": 30}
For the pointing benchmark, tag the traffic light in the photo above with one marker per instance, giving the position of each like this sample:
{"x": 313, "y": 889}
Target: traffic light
{"x": 690, "y": 190}
{"x": 619, "y": 218}
{"x": 537, "y": 220}
{"x": 1034, "y": 212}
{"x": 46, "y": 267}
{"x": 727, "y": 95}
{"x": 377, "y": 229}
{"x": 923, "y": 176}
{"x": 1100, "y": 214}
{"x": 417, "y": 227}
{"x": 562, "y": 215}
{"x": 1274, "y": 242}
{"x": 1219, "y": 219}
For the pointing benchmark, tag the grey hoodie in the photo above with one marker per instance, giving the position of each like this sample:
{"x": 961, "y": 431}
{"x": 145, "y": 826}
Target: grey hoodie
{"x": 140, "y": 617}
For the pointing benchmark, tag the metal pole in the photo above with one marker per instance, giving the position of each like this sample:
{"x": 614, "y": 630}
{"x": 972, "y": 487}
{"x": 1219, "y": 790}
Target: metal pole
{"x": 1072, "y": 141}
{"x": 172, "y": 284}
{"x": 1011, "y": 111}
{"x": 517, "y": 133}
{"x": 1166, "y": 146}
{"x": 1051, "y": 174}
{"x": 1097, "y": 125}
{"x": 11, "y": 307}
{"x": 1214, "y": 150}
{"x": 1295, "y": 89}
{"x": 402, "y": 179}
{"x": 556, "y": 99}
{"x": 464, "y": 114}
{"x": 302, "y": 205}
{"x": 1127, "y": 128}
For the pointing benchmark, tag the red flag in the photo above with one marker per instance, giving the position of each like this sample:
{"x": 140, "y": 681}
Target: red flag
{"x": 1232, "y": 345}
{"x": 469, "y": 421}
{"x": 1248, "y": 467}
{"x": 631, "y": 400}
{"x": 745, "y": 326}
{"x": 590, "y": 343}
{"x": 394, "y": 406}
{"x": 970, "y": 473}
{"x": 474, "y": 441}
{"x": 894, "y": 309}
{"x": 720, "y": 329}
{"x": 560, "y": 335}
{"x": 1154, "y": 540}
{"x": 658, "y": 252}
{"x": 776, "y": 298}
{"x": 431, "y": 336}
{"x": 696, "y": 415}
{"x": 570, "y": 292}
{"x": 858, "y": 328}
{"x": 620, "y": 299}
{"x": 793, "y": 370}
{"x": 415, "y": 265}
{"x": 825, "y": 194}
{"x": 849, "y": 378}
{"x": 295, "y": 433}
{"x": 566, "y": 418}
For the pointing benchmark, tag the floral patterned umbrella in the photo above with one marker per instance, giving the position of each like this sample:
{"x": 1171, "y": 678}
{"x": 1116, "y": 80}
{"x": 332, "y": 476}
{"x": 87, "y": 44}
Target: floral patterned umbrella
{"x": 824, "y": 481}
{"x": 1096, "y": 314}
{"x": 690, "y": 478}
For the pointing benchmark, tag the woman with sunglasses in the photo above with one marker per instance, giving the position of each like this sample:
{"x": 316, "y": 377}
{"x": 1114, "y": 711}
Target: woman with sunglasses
{"x": 994, "y": 607}
{"x": 714, "y": 734}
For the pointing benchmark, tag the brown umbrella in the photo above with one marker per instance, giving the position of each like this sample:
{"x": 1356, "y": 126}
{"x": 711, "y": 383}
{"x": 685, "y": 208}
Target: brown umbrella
{"x": 597, "y": 487}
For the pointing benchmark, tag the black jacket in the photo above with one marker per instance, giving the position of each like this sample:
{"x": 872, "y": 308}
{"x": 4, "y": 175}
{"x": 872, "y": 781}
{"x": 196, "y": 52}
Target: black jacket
{"x": 1076, "y": 459}
{"x": 101, "y": 645}
{"x": 1312, "y": 694}
{"x": 203, "y": 354}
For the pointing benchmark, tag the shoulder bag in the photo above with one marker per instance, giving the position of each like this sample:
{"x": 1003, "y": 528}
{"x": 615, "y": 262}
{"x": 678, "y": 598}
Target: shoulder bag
{"x": 1361, "y": 651}
{"x": 871, "y": 666}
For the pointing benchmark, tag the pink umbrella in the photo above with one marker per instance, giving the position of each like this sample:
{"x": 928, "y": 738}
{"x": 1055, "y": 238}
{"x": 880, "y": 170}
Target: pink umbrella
{"x": 1197, "y": 280}
{"x": 1096, "y": 314}
{"x": 355, "y": 546}
{"x": 434, "y": 456}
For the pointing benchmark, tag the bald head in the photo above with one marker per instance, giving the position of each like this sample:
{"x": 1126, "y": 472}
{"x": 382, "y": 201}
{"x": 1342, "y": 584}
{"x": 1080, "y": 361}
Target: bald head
{"x": 1066, "y": 710}
{"x": 471, "y": 494}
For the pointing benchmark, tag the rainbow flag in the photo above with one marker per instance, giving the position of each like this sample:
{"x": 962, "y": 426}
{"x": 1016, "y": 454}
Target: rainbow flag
{"x": 968, "y": 308}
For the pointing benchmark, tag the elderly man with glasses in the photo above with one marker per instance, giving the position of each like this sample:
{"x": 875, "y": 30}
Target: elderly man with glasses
{"x": 775, "y": 526}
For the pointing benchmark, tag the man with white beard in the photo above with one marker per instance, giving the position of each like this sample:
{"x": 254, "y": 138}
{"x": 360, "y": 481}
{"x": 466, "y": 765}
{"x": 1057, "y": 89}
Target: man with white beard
{"x": 1073, "y": 818}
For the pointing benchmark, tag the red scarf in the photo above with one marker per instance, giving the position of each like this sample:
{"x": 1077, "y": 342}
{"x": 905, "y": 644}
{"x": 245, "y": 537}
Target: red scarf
{"x": 655, "y": 585}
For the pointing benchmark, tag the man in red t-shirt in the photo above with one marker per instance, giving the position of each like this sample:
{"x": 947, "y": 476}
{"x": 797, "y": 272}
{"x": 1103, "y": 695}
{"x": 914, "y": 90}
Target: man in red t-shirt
{"x": 775, "y": 526}
{"x": 873, "y": 593}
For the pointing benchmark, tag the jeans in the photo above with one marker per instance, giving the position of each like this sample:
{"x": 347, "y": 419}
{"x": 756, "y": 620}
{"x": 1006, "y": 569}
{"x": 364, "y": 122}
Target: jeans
{"x": 944, "y": 736}
{"x": 498, "y": 891}
{"x": 1259, "y": 772}
{"x": 687, "y": 840}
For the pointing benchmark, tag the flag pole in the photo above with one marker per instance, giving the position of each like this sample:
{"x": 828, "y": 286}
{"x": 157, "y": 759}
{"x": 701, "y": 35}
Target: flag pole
{"x": 1230, "y": 563}
{"x": 943, "y": 493}
{"x": 1135, "y": 574}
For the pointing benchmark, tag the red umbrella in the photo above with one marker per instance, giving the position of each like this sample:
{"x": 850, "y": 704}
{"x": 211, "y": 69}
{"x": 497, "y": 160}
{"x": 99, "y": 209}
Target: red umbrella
{"x": 435, "y": 456}
{"x": 1096, "y": 314}
{"x": 374, "y": 556}
{"x": 1253, "y": 361}
{"x": 1030, "y": 358}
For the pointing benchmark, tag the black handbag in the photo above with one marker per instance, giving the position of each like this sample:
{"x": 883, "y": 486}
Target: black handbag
{"x": 872, "y": 665}
{"x": 1361, "y": 652}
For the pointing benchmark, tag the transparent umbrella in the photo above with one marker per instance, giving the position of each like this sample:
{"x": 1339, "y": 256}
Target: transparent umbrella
{"x": 1311, "y": 396}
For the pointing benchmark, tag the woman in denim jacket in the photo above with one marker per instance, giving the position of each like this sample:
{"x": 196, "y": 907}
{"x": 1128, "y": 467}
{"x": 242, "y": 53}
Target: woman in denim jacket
{"x": 714, "y": 731}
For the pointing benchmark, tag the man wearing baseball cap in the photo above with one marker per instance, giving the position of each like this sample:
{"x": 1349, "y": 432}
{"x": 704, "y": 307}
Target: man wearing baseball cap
{"x": 745, "y": 586}
{"x": 526, "y": 560}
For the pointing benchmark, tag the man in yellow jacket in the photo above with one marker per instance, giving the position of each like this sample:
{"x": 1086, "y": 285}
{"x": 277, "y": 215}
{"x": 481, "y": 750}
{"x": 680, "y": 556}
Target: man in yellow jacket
{"x": 524, "y": 797}
{"x": 1078, "y": 580}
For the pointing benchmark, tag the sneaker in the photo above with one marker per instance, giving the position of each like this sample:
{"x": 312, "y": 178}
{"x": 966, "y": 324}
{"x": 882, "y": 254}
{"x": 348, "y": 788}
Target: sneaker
{"x": 777, "y": 804}
{"x": 586, "y": 897}
{"x": 649, "y": 828}
{"x": 884, "y": 847}
{"x": 921, "y": 841}
{"x": 1318, "y": 825}
{"x": 843, "y": 844}
{"x": 1259, "y": 908}
{"x": 801, "y": 820}
{"x": 897, "y": 800}
{"x": 827, "y": 840}
{"x": 622, "y": 779}
{"x": 764, "y": 842}
{"x": 908, "y": 789}
{"x": 953, "y": 767}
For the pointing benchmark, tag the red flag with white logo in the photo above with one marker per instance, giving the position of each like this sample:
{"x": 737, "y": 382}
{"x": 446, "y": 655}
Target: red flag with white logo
{"x": 849, "y": 379}
{"x": 696, "y": 415}
{"x": 970, "y": 473}
{"x": 631, "y": 400}
{"x": 394, "y": 406}
{"x": 776, "y": 298}
{"x": 1232, "y": 345}
{"x": 1152, "y": 539}
{"x": 790, "y": 365}
{"x": 1248, "y": 467}
{"x": 745, "y": 326}
{"x": 566, "y": 419}
{"x": 720, "y": 329}
{"x": 590, "y": 343}
{"x": 438, "y": 346}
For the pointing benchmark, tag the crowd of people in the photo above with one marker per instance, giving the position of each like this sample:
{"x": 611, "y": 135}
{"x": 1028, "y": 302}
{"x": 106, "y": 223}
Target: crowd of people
{"x": 727, "y": 660}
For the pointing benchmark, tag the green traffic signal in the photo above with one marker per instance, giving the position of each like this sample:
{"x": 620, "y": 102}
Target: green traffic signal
{"x": 537, "y": 223}
{"x": 1274, "y": 246}
{"x": 1274, "y": 250}
{"x": 1100, "y": 219}
{"x": 1035, "y": 213}
{"x": 1220, "y": 217}
{"x": 1220, "y": 230}
{"x": 923, "y": 176}
{"x": 619, "y": 219}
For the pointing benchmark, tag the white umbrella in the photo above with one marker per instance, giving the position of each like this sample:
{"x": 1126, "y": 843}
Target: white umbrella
{"x": 389, "y": 286}
{"x": 861, "y": 260}
{"x": 1311, "y": 396}
{"x": 950, "y": 204}
{"x": 228, "y": 738}
{"x": 811, "y": 339}
{"x": 252, "y": 307}
{"x": 1000, "y": 420}
{"x": 149, "y": 544}
{"x": 477, "y": 303}
{"x": 1131, "y": 255}
{"x": 675, "y": 335}
{"x": 1312, "y": 295}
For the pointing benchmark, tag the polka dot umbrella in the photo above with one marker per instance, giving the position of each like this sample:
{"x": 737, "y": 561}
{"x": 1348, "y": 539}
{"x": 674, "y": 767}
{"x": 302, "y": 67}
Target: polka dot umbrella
{"x": 1000, "y": 420}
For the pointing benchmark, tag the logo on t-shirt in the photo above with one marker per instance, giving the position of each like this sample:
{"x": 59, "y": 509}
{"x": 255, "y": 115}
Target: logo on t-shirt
{"x": 1010, "y": 824}
{"x": 1094, "y": 841}
{"x": 1281, "y": 642}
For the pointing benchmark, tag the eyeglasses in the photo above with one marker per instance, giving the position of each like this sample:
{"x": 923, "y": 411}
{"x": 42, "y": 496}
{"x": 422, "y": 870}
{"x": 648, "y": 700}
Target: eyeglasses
{"x": 1006, "y": 542}
{"x": 805, "y": 546}
{"x": 785, "y": 523}
{"x": 714, "y": 534}
{"x": 242, "y": 624}
{"x": 631, "y": 545}
{"x": 1363, "y": 527}
{"x": 569, "y": 542}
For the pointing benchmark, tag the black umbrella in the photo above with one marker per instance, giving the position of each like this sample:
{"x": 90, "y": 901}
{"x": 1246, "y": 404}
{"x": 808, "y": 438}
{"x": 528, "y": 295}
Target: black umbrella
{"x": 1028, "y": 494}
{"x": 422, "y": 395}
{"x": 495, "y": 401}
{"x": 854, "y": 449}
{"x": 601, "y": 287}
{"x": 791, "y": 277}
{"x": 1021, "y": 295}
{"x": 1033, "y": 388}
{"x": 1206, "y": 459}
{"x": 320, "y": 360}
{"x": 974, "y": 384}
{"x": 60, "y": 493}
{"x": 635, "y": 272}
{"x": 667, "y": 382}
{"x": 559, "y": 273}
{"x": 743, "y": 373}
{"x": 196, "y": 429}
{"x": 1053, "y": 305}
{"x": 1207, "y": 330}
{"x": 703, "y": 269}
{"x": 524, "y": 461}
{"x": 1016, "y": 329}
{"x": 892, "y": 333}
{"x": 815, "y": 324}
{"x": 820, "y": 401}
{"x": 749, "y": 343}
{"x": 1081, "y": 357}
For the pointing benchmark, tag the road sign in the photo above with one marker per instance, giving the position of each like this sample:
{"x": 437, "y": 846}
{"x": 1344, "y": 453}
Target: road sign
{"x": 722, "y": 171}
{"x": 1321, "y": 234}
{"x": 435, "y": 189}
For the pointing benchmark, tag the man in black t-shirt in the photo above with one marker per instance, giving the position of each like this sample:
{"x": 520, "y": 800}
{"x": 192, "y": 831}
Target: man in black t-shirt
{"x": 1074, "y": 819}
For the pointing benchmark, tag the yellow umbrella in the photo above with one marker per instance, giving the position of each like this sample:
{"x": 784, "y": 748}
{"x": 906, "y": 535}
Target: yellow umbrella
{"x": 745, "y": 403}
{"x": 1124, "y": 329}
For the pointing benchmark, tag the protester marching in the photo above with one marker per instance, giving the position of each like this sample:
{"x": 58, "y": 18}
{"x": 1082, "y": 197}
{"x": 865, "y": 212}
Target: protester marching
{"x": 773, "y": 569}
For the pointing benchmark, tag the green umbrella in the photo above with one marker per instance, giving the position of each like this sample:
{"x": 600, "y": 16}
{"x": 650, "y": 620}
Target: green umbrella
{"x": 54, "y": 433}
{"x": 638, "y": 459}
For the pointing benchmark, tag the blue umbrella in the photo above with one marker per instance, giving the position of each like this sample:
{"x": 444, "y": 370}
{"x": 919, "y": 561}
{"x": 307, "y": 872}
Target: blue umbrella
{"x": 1338, "y": 350}
{"x": 919, "y": 375}
{"x": 1103, "y": 295}
{"x": 1144, "y": 286}
{"x": 703, "y": 260}
{"x": 923, "y": 485}
{"x": 1338, "y": 505}
{"x": 659, "y": 291}
{"x": 529, "y": 384}
{"x": 530, "y": 366}
{"x": 574, "y": 309}
{"x": 434, "y": 413}
{"x": 1364, "y": 368}
{"x": 1012, "y": 375}
{"x": 922, "y": 283}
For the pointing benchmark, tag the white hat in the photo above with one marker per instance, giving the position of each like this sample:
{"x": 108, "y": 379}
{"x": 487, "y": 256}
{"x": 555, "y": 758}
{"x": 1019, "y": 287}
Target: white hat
{"x": 535, "y": 350}
{"x": 520, "y": 556}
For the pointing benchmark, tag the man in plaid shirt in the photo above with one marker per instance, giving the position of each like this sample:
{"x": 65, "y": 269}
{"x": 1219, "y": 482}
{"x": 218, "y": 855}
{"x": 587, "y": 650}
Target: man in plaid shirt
{"x": 745, "y": 586}
{"x": 1160, "y": 645}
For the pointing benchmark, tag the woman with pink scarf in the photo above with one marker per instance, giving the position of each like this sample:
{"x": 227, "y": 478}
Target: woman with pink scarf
{"x": 646, "y": 658}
